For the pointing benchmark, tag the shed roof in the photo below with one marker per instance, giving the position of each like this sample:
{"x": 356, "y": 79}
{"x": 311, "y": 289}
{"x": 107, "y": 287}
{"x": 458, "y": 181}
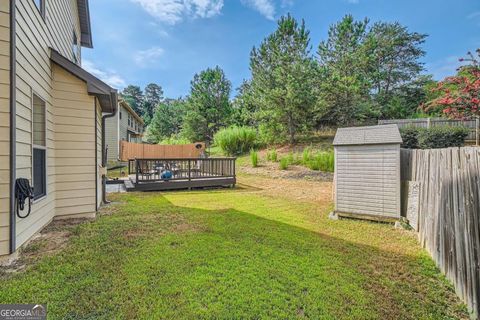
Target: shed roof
{"x": 383, "y": 134}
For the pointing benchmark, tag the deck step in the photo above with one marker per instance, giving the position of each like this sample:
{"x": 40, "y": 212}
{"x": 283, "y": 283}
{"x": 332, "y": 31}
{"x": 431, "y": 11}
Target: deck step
{"x": 129, "y": 186}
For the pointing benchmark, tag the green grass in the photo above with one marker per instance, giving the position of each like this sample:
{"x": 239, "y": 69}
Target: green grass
{"x": 233, "y": 254}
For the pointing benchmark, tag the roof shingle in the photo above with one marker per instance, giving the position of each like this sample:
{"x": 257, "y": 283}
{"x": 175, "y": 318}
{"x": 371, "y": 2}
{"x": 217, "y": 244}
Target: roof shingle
{"x": 383, "y": 134}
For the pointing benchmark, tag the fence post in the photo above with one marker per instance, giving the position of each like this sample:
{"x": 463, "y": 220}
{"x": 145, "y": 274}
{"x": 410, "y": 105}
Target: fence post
{"x": 477, "y": 131}
{"x": 429, "y": 122}
{"x": 189, "y": 170}
{"x": 136, "y": 171}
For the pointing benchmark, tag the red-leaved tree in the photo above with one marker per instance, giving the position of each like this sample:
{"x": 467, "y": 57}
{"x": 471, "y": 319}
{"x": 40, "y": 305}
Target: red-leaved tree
{"x": 459, "y": 96}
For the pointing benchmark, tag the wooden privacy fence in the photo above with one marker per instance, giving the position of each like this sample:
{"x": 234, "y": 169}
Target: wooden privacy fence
{"x": 129, "y": 150}
{"x": 448, "y": 207}
{"x": 472, "y": 124}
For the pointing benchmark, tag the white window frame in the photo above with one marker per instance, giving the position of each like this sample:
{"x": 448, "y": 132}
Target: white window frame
{"x": 41, "y": 8}
{"x": 35, "y": 146}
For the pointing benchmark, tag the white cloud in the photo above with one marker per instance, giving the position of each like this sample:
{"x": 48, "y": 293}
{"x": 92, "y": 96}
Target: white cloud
{"x": 144, "y": 58}
{"x": 265, "y": 7}
{"x": 174, "y": 11}
{"x": 444, "y": 68}
{"x": 110, "y": 77}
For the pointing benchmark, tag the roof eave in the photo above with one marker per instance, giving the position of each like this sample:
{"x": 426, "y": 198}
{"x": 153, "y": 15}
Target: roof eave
{"x": 107, "y": 96}
{"x": 85, "y": 25}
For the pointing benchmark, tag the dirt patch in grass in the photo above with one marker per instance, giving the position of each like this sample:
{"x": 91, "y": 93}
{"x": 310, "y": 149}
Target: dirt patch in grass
{"x": 272, "y": 170}
{"x": 51, "y": 240}
{"x": 294, "y": 189}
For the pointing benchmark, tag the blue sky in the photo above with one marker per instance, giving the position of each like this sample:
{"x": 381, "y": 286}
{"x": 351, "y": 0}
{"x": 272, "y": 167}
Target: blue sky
{"x": 168, "y": 41}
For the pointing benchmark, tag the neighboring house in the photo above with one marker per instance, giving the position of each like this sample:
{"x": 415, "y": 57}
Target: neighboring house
{"x": 126, "y": 125}
{"x": 51, "y": 114}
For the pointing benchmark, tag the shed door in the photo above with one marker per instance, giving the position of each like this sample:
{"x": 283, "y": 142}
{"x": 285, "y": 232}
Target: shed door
{"x": 368, "y": 180}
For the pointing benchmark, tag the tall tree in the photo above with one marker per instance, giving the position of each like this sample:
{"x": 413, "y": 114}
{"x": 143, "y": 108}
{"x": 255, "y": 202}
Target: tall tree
{"x": 134, "y": 96}
{"x": 245, "y": 106}
{"x": 283, "y": 77}
{"x": 153, "y": 95}
{"x": 393, "y": 56}
{"x": 167, "y": 120}
{"x": 344, "y": 86}
{"x": 208, "y": 105}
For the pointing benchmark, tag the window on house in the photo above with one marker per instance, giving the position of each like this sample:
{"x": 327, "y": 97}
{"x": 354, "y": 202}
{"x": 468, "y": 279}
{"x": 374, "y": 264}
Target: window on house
{"x": 40, "y": 6}
{"x": 75, "y": 47}
{"x": 39, "y": 136}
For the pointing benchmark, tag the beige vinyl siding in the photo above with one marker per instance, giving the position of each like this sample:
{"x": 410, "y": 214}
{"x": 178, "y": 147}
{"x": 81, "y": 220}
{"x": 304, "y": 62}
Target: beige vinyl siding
{"x": 99, "y": 154}
{"x": 111, "y": 137}
{"x": 367, "y": 179}
{"x": 123, "y": 125}
{"x": 4, "y": 126}
{"x": 34, "y": 37}
{"x": 75, "y": 162}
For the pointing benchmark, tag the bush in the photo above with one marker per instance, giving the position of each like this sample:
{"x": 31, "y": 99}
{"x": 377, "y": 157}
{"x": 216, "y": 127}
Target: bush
{"x": 284, "y": 163}
{"x": 254, "y": 158}
{"x": 272, "y": 155}
{"x": 323, "y": 161}
{"x": 442, "y": 137}
{"x": 434, "y": 137}
{"x": 236, "y": 140}
{"x": 410, "y": 137}
{"x": 174, "y": 139}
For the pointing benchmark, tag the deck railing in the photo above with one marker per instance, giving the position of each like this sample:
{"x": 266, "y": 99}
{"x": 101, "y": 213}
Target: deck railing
{"x": 156, "y": 170}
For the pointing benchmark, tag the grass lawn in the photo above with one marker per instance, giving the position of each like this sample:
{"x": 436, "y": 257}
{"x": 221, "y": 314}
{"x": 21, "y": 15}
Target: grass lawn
{"x": 233, "y": 254}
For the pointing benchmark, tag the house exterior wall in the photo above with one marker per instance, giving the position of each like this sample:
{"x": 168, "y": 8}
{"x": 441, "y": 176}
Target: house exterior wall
{"x": 75, "y": 171}
{"x": 118, "y": 130}
{"x": 111, "y": 136}
{"x": 70, "y": 116}
{"x": 99, "y": 151}
{"x": 367, "y": 180}
{"x": 4, "y": 125}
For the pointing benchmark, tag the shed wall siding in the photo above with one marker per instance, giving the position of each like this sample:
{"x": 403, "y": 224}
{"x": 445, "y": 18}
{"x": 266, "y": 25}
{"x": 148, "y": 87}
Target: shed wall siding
{"x": 368, "y": 180}
{"x": 4, "y": 125}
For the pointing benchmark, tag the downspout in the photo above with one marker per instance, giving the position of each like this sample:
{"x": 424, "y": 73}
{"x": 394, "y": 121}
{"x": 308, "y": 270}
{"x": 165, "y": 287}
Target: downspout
{"x": 104, "y": 149}
{"x": 13, "y": 125}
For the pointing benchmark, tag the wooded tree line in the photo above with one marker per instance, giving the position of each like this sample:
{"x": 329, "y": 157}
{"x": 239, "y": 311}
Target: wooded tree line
{"x": 363, "y": 71}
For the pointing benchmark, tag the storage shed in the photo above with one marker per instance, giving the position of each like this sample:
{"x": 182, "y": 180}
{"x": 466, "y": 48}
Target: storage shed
{"x": 367, "y": 172}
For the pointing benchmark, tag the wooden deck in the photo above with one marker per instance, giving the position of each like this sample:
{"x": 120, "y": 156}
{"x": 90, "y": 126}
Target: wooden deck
{"x": 175, "y": 174}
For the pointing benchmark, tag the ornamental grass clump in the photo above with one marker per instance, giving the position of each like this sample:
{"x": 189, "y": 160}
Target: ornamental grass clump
{"x": 322, "y": 161}
{"x": 254, "y": 158}
{"x": 284, "y": 163}
{"x": 272, "y": 155}
{"x": 235, "y": 140}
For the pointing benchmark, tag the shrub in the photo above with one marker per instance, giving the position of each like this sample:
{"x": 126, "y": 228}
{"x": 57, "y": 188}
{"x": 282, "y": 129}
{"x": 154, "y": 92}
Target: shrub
{"x": 284, "y": 163}
{"x": 236, "y": 140}
{"x": 442, "y": 137}
{"x": 410, "y": 137}
{"x": 323, "y": 161}
{"x": 272, "y": 155}
{"x": 174, "y": 139}
{"x": 254, "y": 158}
{"x": 434, "y": 137}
